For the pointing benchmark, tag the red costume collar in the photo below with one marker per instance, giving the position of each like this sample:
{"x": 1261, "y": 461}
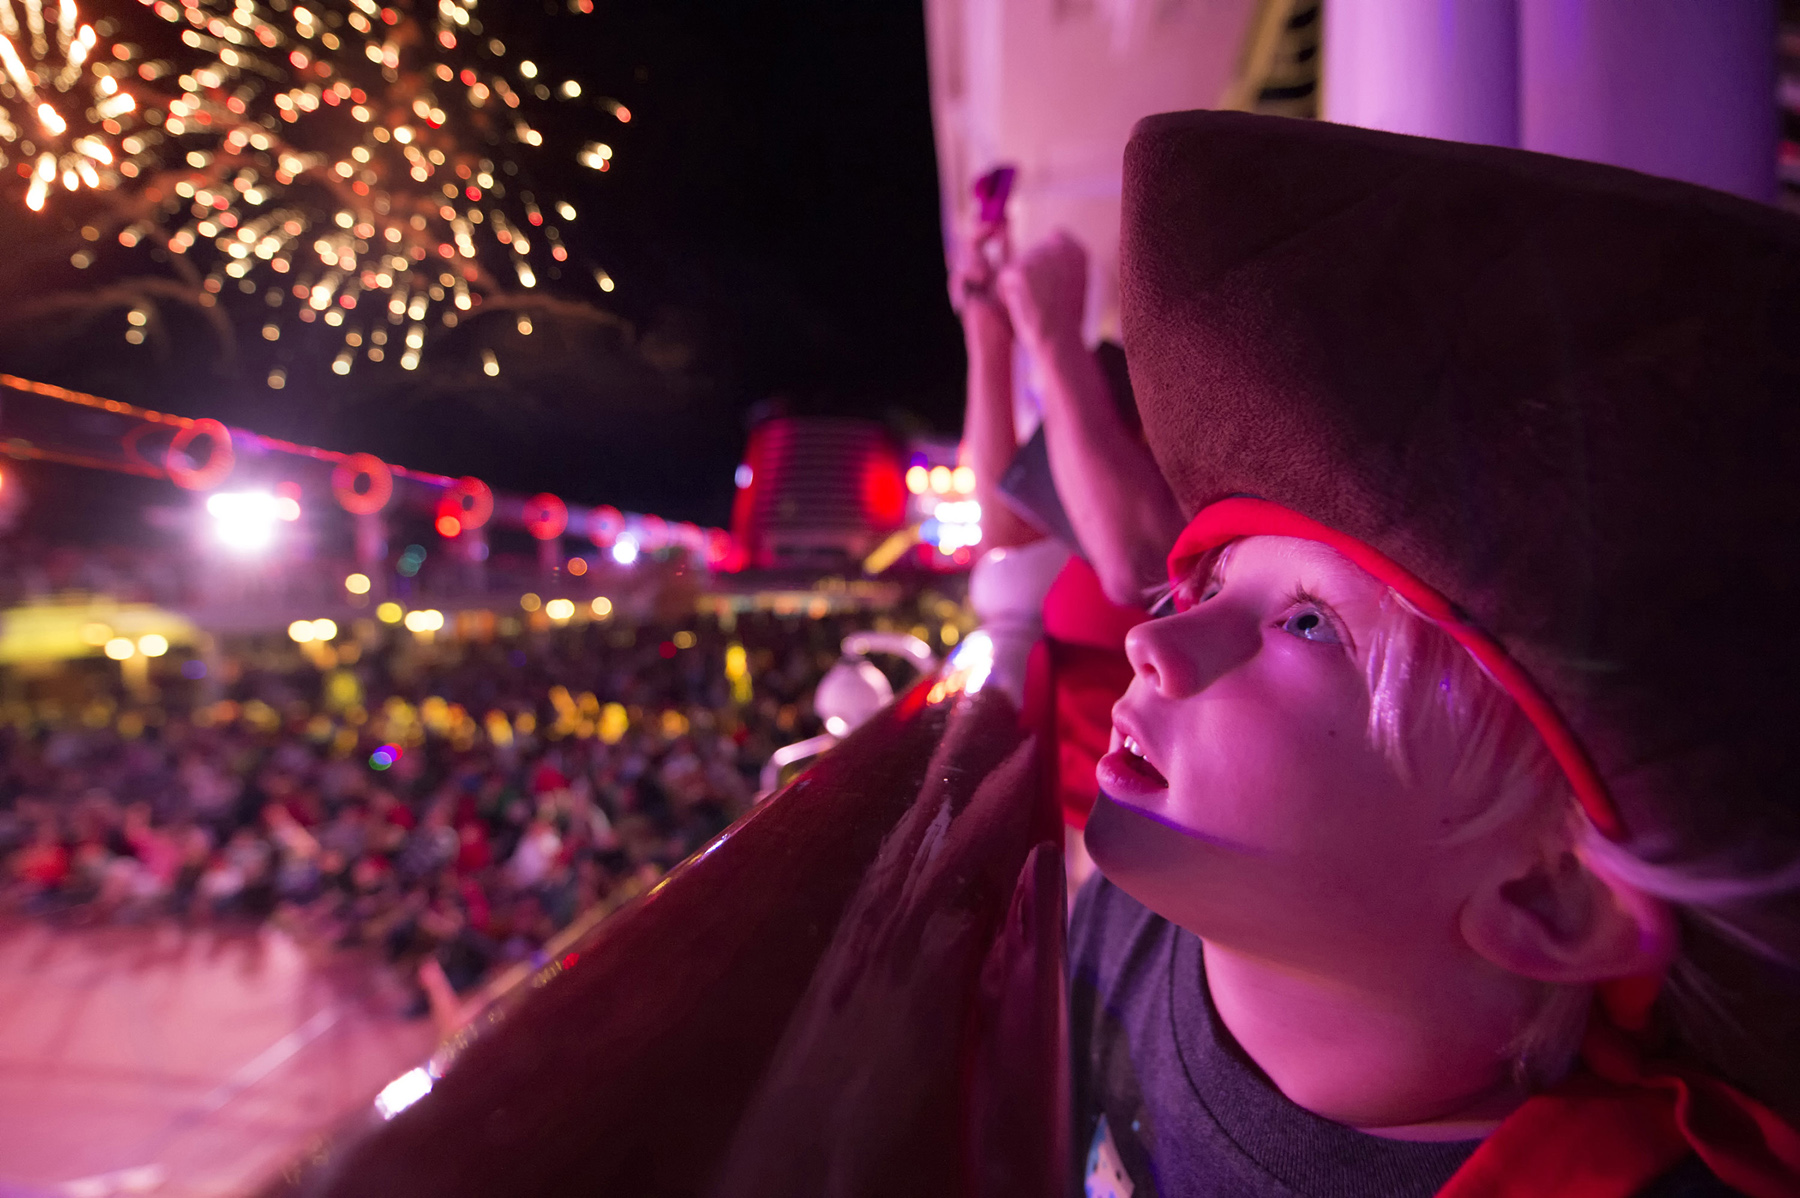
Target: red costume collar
{"x": 1632, "y": 1114}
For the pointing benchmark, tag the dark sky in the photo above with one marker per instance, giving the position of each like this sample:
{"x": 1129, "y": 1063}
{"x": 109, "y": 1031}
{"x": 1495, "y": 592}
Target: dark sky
{"x": 771, "y": 220}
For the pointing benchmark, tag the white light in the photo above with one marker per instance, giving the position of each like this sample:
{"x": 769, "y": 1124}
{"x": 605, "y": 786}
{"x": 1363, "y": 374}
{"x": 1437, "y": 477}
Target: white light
{"x": 745, "y": 475}
{"x": 324, "y": 630}
{"x": 954, "y": 524}
{"x": 973, "y": 660}
{"x": 425, "y": 620}
{"x": 245, "y": 520}
{"x": 836, "y": 725}
{"x": 559, "y": 609}
{"x": 402, "y": 1092}
{"x": 964, "y": 511}
{"x": 951, "y": 537}
{"x": 120, "y": 648}
{"x": 625, "y": 551}
{"x": 301, "y": 632}
{"x": 153, "y": 645}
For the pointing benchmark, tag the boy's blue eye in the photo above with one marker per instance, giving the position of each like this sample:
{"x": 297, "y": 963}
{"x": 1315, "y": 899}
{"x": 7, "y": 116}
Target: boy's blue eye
{"x": 1309, "y": 624}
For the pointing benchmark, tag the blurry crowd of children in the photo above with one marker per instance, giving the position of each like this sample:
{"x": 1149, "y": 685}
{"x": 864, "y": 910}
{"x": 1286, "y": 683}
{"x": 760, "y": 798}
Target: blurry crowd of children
{"x": 466, "y": 809}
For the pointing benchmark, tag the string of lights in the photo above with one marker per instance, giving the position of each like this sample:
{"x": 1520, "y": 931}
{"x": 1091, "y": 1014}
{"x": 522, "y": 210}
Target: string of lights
{"x": 202, "y": 455}
{"x": 354, "y": 164}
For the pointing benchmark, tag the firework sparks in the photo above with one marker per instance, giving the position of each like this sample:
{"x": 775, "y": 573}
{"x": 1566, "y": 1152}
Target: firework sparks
{"x": 354, "y": 163}
{"x": 59, "y": 109}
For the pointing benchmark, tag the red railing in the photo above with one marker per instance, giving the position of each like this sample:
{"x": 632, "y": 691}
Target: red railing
{"x": 857, "y": 990}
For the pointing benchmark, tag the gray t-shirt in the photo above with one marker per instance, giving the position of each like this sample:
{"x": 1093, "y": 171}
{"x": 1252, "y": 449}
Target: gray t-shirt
{"x": 1167, "y": 1105}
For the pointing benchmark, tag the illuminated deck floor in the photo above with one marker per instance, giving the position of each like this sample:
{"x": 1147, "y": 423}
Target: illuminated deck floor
{"x": 178, "y": 1062}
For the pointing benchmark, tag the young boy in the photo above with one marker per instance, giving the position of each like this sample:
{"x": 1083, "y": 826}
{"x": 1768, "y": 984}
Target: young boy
{"x": 1449, "y": 835}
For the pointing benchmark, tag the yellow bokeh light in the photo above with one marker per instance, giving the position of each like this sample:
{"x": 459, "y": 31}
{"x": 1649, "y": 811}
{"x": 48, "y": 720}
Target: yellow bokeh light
{"x": 559, "y": 609}
{"x": 918, "y": 479}
{"x": 301, "y": 632}
{"x": 357, "y": 584}
{"x": 324, "y": 630}
{"x": 96, "y": 634}
{"x": 683, "y": 639}
{"x": 530, "y": 602}
{"x": 389, "y": 613}
{"x": 120, "y": 648}
{"x": 940, "y": 478}
{"x": 153, "y": 645}
{"x": 737, "y": 672}
{"x": 601, "y": 607}
{"x": 962, "y": 479}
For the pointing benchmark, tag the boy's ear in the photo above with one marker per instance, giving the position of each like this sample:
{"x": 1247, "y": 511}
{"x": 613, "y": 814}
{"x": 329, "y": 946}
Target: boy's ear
{"x": 1557, "y": 919}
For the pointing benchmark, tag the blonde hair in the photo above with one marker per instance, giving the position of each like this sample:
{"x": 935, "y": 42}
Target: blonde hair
{"x": 1739, "y": 927}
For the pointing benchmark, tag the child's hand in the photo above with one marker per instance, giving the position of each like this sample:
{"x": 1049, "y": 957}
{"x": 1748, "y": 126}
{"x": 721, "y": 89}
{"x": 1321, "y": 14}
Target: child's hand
{"x": 975, "y": 264}
{"x": 1046, "y": 290}
{"x": 975, "y": 260}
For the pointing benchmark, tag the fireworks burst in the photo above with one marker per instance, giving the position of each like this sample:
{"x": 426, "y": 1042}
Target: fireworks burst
{"x": 58, "y": 109}
{"x": 354, "y": 163}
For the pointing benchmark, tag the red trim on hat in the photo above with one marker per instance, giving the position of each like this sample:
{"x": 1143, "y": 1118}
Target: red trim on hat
{"x": 1229, "y": 519}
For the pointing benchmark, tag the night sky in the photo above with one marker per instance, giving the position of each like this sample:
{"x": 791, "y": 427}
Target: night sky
{"x": 771, "y": 221}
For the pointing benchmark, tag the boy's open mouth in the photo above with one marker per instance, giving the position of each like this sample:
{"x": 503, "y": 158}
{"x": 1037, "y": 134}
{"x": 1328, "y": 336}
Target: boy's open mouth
{"x": 1126, "y": 771}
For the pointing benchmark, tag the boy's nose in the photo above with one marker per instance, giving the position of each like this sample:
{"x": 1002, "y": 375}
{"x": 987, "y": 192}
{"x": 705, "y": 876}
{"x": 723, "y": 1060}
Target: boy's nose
{"x": 1183, "y": 654}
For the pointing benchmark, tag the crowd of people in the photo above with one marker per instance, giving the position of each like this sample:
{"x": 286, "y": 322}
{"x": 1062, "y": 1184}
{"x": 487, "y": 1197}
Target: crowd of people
{"x": 455, "y": 802}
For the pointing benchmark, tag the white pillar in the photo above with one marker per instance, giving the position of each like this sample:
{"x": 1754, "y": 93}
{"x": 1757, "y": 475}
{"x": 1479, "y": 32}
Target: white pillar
{"x": 1437, "y": 68}
{"x": 1679, "y": 88}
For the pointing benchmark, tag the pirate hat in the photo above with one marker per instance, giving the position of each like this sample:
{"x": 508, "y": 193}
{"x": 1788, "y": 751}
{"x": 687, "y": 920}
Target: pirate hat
{"x": 1562, "y": 397}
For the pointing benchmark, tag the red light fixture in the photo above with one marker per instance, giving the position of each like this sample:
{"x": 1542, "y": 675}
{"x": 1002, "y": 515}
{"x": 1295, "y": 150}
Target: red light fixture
{"x": 354, "y": 494}
{"x": 469, "y": 500}
{"x": 605, "y": 525}
{"x": 219, "y": 459}
{"x": 546, "y": 516}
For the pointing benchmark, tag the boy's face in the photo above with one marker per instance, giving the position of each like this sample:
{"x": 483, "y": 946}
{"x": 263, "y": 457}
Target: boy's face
{"x": 1244, "y": 799}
